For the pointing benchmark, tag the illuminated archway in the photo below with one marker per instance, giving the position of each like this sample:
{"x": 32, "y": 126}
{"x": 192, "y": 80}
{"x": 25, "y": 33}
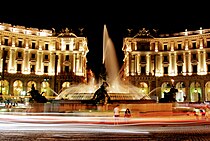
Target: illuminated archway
{"x": 181, "y": 94}
{"x": 165, "y": 87}
{"x": 29, "y": 85}
{"x": 195, "y": 92}
{"x": 4, "y": 88}
{"x": 207, "y": 91}
{"x": 45, "y": 89}
{"x": 144, "y": 88}
{"x": 17, "y": 88}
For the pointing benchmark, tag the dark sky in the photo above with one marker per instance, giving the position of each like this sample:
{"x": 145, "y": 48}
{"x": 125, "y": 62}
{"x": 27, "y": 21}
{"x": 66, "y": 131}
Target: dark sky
{"x": 166, "y": 17}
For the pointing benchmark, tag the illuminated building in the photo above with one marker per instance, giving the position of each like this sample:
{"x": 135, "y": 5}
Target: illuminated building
{"x": 156, "y": 62}
{"x": 49, "y": 60}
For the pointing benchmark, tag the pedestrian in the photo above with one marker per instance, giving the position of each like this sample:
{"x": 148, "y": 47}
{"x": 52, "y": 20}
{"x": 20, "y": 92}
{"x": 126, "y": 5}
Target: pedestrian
{"x": 127, "y": 114}
{"x": 116, "y": 114}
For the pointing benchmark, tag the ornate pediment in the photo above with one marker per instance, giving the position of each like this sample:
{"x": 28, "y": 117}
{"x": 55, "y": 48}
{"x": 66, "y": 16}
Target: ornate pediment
{"x": 67, "y": 33}
{"x": 143, "y": 34}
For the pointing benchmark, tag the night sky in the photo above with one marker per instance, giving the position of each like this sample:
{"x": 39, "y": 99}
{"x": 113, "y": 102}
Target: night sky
{"x": 168, "y": 18}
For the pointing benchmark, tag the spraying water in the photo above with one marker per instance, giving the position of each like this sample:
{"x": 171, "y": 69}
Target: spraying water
{"x": 110, "y": 59}
{"x": 116, "y": 90}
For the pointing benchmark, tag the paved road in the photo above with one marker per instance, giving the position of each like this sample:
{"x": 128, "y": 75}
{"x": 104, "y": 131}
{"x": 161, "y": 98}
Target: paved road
{"x": 80, "y": 128}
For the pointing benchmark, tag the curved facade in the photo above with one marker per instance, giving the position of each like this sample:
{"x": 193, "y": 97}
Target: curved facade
{"x": 182, "y": 60}
{"x": 49, "y": 60}
{"x": 54, "y": 61}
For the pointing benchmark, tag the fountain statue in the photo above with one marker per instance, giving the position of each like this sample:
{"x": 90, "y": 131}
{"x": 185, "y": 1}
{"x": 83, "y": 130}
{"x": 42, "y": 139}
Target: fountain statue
{"x": 36, "y": 96}
{"x": 111, "y": 88}
{"x": 101, "y": 96}
{"x": 169, "y": 96}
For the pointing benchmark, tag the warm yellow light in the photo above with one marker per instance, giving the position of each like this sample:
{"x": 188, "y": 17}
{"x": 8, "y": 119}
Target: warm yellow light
{"x": 195, "y": 90}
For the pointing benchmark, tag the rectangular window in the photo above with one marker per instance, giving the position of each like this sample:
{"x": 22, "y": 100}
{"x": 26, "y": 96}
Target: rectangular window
{"x": 194, "y": 56}
{"x": 165, "y": 58}
{"x": 67, "y": 69}
{"x": 208, "y": 44}
{"x": 143, "y": 70}
{"x": 143, "y": 46}
{"x": 19, "y": 68}
{"x": 33, "y": 46}
{"x": 67, "y": 57}
{"x": 179, "y": 46}
{"x": 6, "y": 42}
{"x": 46, "y": 57}
{"x": 46, "y": 46}
{"x": 20, "y": 43}
{"x": 143, "y": 59}
{"x": 19, "y": 54}
{"x": 179, "y": 57}
{"x": 67, "y": 47}
{"x": 208, "y": 68}
{"x": 194, "y": 45}
{"x": 179, "y": 69}
{"x": 33, "y": 56}
{"x": 165, "y": 47}
{"x": 165, "y": 70}
{"x": 45, "y": 69}
{"x": 194, "y": 68}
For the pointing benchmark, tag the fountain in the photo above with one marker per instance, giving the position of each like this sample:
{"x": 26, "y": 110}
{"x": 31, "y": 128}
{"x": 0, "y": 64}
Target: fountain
{"x": 116, "y": 90}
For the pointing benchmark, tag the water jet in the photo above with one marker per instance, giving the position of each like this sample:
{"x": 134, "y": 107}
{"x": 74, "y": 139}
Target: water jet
{"x": 117, "y": 91}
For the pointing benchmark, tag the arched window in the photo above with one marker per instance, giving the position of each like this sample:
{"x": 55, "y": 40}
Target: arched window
{"x": 195, "y": 92}
{"x": 29, "y": 85}
{"x": 207, "y": 91}
{"x": 4, "y": 87}
{"x": 45, "y": 89}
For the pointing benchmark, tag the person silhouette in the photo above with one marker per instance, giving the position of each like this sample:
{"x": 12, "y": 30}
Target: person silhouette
{"x": 116, "y": 114}
{"x": 127, "y": 114}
